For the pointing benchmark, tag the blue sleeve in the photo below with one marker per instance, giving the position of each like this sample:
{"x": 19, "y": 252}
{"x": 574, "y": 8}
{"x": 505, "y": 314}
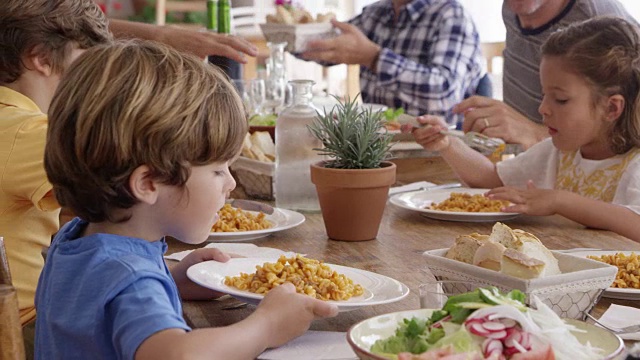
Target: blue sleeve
{"x": 145, "y": 307}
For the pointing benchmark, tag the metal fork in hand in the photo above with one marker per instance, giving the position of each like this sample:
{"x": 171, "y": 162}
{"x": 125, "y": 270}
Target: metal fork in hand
{"x": 480, "y": 142}
{"x": 616, "y": 330}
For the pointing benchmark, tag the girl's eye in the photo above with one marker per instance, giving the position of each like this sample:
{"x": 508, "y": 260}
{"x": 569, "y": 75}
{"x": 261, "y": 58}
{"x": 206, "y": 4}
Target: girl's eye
{"x": 562, "y": 101}
{"x": 219, "y": 173}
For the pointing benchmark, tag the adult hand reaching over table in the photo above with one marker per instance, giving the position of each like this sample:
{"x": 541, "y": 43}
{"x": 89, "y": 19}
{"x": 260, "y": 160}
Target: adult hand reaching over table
{"x": 350, "y": 47}
{"x": 496, "y": 119}
{"x": 199, "y": 43}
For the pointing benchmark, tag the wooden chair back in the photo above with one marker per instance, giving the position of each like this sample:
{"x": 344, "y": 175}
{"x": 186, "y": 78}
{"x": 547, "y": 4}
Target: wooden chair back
{"x": 11, "y": 342}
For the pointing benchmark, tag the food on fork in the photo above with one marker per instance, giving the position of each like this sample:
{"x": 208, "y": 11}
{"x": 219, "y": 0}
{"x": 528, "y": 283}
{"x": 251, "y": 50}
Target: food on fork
{"x": 463, "y": 202}
{"x": 512, "y": 252}
{"x": 628, "y": 276}
{"x": 234, "y": 220}
{"x": 309, "y": 276}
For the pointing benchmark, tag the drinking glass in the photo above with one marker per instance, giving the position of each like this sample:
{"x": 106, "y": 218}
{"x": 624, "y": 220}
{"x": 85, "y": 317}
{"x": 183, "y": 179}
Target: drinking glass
{"x": 275, "y": 95}
{"x": 434, "y": 294}
{"x": 252, "y": 93}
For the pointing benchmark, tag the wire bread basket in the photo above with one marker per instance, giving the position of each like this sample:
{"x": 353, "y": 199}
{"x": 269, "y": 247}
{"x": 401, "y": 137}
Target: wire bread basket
{"x": 571, "y": 294}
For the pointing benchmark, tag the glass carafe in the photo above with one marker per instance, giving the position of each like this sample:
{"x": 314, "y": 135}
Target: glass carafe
{"x": 294, "y": 151}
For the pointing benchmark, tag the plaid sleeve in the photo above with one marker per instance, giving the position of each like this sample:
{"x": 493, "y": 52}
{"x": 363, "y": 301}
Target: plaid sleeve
{"x": 438, "y": 83}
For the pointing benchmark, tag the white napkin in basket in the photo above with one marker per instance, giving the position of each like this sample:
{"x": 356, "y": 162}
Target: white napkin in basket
{"x": 313, "y": 345}
{"x": 243, "y": 249}
{"x": 621, "y": 316}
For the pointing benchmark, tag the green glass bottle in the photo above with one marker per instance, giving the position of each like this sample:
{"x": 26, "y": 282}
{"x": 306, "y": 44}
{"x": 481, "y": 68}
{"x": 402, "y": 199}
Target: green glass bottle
{"x": 212, "y": 15}
{"x": 224, "y": 17}
{"x": 232, "y": 68}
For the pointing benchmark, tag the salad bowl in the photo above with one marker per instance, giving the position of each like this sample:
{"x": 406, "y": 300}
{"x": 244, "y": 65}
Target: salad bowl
{"x": 374, "y": 338}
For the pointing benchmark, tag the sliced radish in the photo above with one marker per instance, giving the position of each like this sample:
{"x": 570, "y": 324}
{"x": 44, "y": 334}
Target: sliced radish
{"x": 508, "y": 323}
{"x": 493, "y": 326}
{"x": 477, "y": 329}
{"x": 491, "y": 346}
{"x": 499, "y": 335}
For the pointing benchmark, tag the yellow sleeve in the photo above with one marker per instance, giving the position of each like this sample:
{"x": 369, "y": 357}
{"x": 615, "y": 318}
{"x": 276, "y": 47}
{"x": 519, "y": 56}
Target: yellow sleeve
{"x": 25, "y": 176}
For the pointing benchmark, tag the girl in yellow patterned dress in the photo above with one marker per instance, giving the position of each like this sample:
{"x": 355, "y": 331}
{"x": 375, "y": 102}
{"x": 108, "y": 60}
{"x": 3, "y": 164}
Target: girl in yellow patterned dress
{"x": 589, "y": 170}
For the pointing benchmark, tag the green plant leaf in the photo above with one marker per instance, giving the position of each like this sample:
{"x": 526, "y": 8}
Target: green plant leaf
{"x": 354, "y": 138}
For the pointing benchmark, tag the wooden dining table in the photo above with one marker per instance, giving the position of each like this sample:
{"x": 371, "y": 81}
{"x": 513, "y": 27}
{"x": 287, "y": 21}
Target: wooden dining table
{"x": 397, "y": 252}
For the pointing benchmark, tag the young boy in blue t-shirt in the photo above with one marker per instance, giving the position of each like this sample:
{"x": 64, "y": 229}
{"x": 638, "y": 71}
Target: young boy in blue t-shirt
{"x": 138, "y": 146}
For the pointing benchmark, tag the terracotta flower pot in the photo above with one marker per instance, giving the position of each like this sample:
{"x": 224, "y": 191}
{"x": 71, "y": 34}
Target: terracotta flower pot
{"x": 353, "y": 200}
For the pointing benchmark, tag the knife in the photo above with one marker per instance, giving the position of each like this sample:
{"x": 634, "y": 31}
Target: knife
{"x": 251, "y": 205}
{"x": 429, "y": 188}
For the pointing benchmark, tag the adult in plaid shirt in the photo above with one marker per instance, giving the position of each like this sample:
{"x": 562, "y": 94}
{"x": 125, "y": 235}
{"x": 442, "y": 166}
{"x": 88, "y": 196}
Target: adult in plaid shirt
{"x": 420, "y": 55}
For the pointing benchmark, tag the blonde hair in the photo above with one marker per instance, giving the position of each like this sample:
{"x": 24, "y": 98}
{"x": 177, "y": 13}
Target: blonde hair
{"x": 606, "y": 51}
{"x": 130, "y": 104}
{"x": 48, "y": 27}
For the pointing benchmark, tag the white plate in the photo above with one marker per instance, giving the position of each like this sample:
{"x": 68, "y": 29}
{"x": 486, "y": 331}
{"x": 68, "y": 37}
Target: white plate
{"x": 281, "y": 219}
{"x": 378, "y": 289}
{"x": 364, "y": 334}
{"x": 421, "y": 200}
{"x": 613, "y": 293}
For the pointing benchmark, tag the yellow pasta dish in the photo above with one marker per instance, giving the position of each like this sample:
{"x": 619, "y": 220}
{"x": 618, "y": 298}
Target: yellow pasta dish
{"x": 628, "y": 276}
{"x": 310, "y": 277}
{"x": 234, "y": 219}
{"x": 463, "y": 202}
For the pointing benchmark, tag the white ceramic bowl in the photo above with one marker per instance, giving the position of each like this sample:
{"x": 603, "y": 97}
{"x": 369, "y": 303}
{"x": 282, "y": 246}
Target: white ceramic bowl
{"x": 364, "y": 334}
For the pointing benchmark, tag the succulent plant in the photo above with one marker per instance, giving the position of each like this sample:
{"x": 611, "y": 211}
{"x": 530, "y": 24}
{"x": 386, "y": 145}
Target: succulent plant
{"x": 354, "y": 137}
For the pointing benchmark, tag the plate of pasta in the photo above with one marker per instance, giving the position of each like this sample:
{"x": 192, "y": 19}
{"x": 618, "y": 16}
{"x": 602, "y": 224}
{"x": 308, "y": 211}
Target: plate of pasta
{"x": 626, "y": 286}
{"x": 249, "y": 279}
{"x": 243, "y": 225}
{"x": 459, "y": 204}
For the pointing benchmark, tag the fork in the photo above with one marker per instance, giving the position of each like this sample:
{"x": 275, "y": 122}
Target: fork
{"x": 474, "y": 139}
{"x": 625, "y": 330}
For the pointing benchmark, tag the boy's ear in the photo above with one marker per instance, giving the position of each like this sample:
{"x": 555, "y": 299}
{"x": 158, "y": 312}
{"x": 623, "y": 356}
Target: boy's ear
{"x": 142, "y": 185}
{"x": 37, "y": 60}
{"x": 615, "y": 107}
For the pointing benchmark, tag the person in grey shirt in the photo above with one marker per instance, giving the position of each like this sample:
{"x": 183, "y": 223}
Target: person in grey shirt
{"x": 529, "y": 23}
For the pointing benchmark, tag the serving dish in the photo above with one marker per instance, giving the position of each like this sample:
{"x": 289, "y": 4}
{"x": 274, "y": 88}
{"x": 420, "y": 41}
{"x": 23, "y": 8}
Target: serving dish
{"x": 364, "y": 334}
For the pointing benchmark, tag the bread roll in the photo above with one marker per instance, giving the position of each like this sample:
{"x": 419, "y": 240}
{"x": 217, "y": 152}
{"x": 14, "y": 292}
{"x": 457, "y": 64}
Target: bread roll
{"x": 503, "y": 234}
{"x": 325, "y": 17}
{"x": 262, "y": 141}
{"x": 465, "y": 247}
{"x": 538, "y": 251}
{"x": 526, "y": 243}
{"x": 246, "y": 148}
{"x": 518, "y": 264}
{"x": 489, "y": 255}
{"x": 513, "y": 252}
{"x": 284, "y": 15}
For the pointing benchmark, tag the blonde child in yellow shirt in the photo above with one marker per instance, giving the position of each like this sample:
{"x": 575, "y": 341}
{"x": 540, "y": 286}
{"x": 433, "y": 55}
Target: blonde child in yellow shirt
{"x": 33, "y": 56}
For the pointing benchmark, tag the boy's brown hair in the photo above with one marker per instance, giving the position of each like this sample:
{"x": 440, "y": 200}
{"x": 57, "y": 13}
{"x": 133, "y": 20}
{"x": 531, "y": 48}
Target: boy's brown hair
{"x": 49, "y": 28}
{"x": 136, "y": 103}
{"x": 606, "y": 52}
